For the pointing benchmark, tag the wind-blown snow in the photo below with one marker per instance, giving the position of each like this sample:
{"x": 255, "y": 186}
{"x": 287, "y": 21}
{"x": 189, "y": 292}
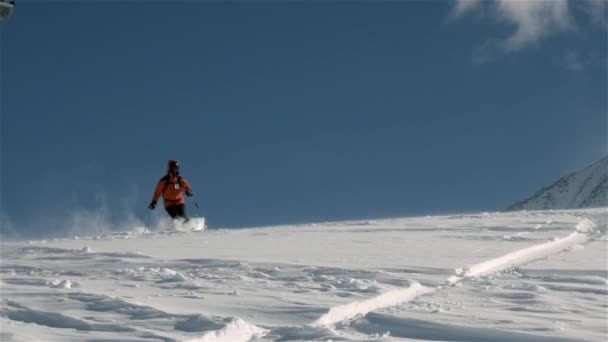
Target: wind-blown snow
{"x": 523, "y": 276}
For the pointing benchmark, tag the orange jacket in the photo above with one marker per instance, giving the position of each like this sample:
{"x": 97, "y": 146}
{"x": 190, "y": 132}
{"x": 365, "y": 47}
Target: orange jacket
{"x": 172, "y": 188}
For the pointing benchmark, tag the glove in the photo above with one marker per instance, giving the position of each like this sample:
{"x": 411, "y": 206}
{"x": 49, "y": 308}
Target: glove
{"x": 152, "y": 205}
{"x": 189, "y": 193}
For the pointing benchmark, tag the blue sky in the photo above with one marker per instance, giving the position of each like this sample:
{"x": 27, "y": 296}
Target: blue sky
{"x": 294, "y": 112}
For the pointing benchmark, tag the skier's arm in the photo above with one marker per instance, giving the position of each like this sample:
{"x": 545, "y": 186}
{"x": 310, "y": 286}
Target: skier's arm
{"x": 187, "y": 188}
{"x": 157, "y": 192}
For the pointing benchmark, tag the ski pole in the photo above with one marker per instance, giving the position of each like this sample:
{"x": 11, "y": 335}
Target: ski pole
{"x": 149, "y": 220}
{"x": 200, "y": 213}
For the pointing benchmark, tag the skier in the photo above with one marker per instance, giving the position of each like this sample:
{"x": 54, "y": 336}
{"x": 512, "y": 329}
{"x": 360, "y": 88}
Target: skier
{"x": 172, "y": 187}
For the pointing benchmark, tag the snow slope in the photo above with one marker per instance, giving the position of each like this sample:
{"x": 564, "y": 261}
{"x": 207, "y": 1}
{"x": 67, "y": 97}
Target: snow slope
{"x": 521, "y": 276}
{"x": 587, "y": 188}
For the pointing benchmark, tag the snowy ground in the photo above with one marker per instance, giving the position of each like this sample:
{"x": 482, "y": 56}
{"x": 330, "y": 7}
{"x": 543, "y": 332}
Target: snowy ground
{"x": 527, "y": 276}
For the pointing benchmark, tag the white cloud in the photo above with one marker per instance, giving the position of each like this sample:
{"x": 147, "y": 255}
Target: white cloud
{"x": 462, "y": 7}
{"x": 531, "y": 20}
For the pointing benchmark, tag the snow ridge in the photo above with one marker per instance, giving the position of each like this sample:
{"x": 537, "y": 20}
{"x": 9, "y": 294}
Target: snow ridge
{"x": 390, "y": 298}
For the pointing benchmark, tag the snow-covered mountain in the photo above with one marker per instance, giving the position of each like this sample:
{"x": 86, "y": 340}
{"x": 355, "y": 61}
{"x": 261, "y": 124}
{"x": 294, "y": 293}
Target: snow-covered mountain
{"x": 586, "y": 188}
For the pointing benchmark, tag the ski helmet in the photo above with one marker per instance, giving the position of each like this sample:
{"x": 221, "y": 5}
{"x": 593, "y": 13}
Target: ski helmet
{"x": 173, "y": 167}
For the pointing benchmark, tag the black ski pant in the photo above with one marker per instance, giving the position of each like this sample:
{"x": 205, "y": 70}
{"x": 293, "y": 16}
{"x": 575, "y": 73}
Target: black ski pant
{"x": 177, "y": 211}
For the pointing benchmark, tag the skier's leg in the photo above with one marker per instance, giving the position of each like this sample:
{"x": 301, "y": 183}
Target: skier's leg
{"x": 172, "y": 211}
{"x": 180, "y": 211}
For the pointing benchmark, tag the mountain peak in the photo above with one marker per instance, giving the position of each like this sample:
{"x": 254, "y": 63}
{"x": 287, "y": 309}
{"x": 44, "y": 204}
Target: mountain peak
{"x": 586, "y": 188}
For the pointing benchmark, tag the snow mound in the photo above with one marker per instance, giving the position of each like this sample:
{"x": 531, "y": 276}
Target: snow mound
{"x": 86, "y": 249}
{"x": 167, "y": 272}
{"x": 61, "y": 284}
{"x": 585, "y": 226}
{"x": 236, "y": 330}
{"x": 178, "y": 277}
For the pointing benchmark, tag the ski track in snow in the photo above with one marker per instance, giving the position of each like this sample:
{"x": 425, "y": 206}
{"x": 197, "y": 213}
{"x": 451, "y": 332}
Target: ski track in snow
{"x": 139, "y": 297}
